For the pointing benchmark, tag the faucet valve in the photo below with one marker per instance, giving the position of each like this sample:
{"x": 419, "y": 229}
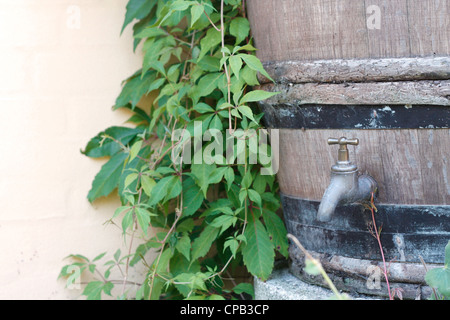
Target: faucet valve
{"x": 346, "y": 186}
{"x": 343, "y": 164}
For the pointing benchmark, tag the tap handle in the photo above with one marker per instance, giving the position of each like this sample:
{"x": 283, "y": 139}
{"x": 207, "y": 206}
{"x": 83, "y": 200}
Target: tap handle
{"x": 343, "y": 141}
{"x": 343, "y": 151}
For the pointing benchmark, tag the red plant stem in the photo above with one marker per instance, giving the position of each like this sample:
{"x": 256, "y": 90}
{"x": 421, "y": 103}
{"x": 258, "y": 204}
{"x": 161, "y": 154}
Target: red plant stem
{"x": 381, "y": 249}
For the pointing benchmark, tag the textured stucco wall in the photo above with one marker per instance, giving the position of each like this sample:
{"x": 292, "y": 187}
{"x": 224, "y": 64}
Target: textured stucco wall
{"x": 61, "y": 67}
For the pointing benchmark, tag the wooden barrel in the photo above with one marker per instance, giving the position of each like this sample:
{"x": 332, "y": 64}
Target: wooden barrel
{"x": 378, "y": 71}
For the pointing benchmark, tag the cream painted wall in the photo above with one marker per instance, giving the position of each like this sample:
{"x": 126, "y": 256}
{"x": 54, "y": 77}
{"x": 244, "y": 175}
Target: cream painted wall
{"x": 61, "y": 67}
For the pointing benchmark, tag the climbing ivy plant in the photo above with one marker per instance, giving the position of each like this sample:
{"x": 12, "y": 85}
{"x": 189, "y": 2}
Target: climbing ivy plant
{"x": 188, "y": 166}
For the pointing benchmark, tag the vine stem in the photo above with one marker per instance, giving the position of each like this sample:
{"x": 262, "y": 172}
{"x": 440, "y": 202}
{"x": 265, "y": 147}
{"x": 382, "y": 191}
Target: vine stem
{"x": 381, "y": 247}
{"x": 227, "y": 74}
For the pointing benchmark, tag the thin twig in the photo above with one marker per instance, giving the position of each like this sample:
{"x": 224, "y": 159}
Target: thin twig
{"x": 318, "y": 265}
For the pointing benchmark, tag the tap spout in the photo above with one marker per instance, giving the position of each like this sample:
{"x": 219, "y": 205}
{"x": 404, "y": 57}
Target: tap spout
{"x": 345, "y": 188}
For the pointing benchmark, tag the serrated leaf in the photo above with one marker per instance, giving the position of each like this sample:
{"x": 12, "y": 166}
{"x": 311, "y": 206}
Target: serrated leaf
{"x": 201, "y": 174}
{"x": 108, "y": 178}
{"x": 143, "y": 218}
{"x": 229, "y": 176}
{"x": 196, "y": 12}
{"x": 134, "y": 89}
{"x": 244, "y": 288}
{"x": 246, "y": 111}
{"x": 212, "y": 39}
{"x": 192, "y": 197}
{"x": 206, "y": 85}
{"x": 277, "y": 231}
{"x": 254, "y": 196}
{"x": 239, "y": 28}
{"x": 101, "y": 255}
{"x": 99, "y": 146}
{"x": 163, "y": 189}
{"x": 137, "y": 9}
{"x": 130, "y": 179}
{"x": 209, "y": 63}
{"x": 236, "y": 65}
{"x": 258, "y": 253}
{"x": 94, "y": 289}
{"x": 147, "y": 184}
{"x": 203, "y": 108}
{"x": 257, "y": 95}
{"x": 224, "y": 222}
{"x": 184, "y": 246}
{"x": 233, "y": 245}
{"x": 439, "y": 278}
{"x": 127, "y": 221}
{"x": 202, "y": 244}
{"x": 249, "y": 76}
{"x": 255, "y": 64}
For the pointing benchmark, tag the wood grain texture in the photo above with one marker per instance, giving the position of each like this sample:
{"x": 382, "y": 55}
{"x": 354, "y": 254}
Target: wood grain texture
{"x": 337, "y": 29}
{"x": 358, "y": 70}
{"x": 411, "y": 166}
{"x": 400, "y": 92}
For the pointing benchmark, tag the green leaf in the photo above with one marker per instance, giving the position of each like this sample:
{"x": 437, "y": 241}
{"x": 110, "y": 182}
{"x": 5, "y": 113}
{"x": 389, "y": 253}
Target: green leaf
{"x": 184, "y": 246}
{"x": 257, "y": 95}
{"x": 134, "y": 89}
{"x": 246, "y": 111}
{"x": 233, "y": 245}
{"x": 137, "y": 9}
{"x": 135, "y": 150}
{"x": 245, "y": 288}
{"x": 209, "y": 64}
{"x": 206, "y": 85}
{"x": 127, "y": 221}
{"x": 229, "y": 176}
{"x": 203, "y": 108}
{"x": 181, "y": 5}
{"x": 99, "y": 146}
{"x": 166, "y": 188}
{"x": 108, "y": 178}
{"x": 94, "y": 289}
{"x": 224, "y": 222}
{"x": 147, "y": 184}
{"x": 196, "y": 13}
{"x": 240, "y": 28}
{"x": 439, "y": 278}
{"x": 277, "y": 231}
{"x": 249, "y": 76}
{"x": 212, "y": 39}
{"x": 192, "y": 197}
{"x": 254, "y": 64}
{"x": 201, "y": 173}
{"x": 203, "y": 243}
{"x": 130, "y": 179}
{"x": 143, "y": 218}
{"x": 236, "y": 65}
{"x": 254, "y": 196}
{"x": 447, "y": 255}
{"x": 258, "y": 253}
{"x": 99, "y": 256}
{"x": 247, "y": 180}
